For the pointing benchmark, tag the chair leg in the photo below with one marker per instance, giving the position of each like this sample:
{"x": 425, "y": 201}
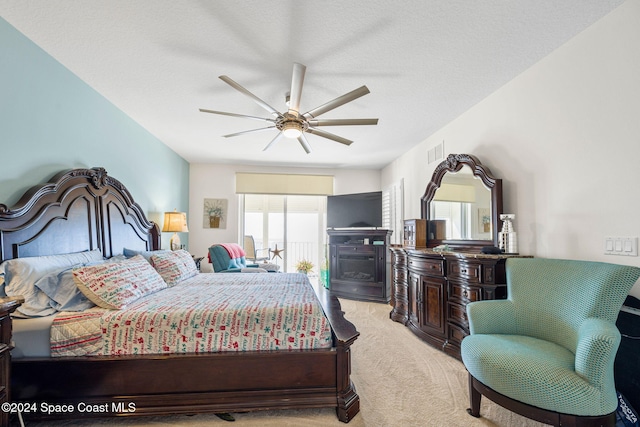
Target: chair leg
{"x": 474, "y": 399}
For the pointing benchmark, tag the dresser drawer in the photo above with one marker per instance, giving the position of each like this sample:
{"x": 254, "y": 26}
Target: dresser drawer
{"x": 457, "y": 313}
{"x": 356, "y": 249}
{"x": 463, "y": 293}
{"x": 345, "y": 288}
{"x": 456, "y": 333}
{"x": 400, "y": 276}
{"x": 434, "y": 267}
{"x": 465, "y": 271}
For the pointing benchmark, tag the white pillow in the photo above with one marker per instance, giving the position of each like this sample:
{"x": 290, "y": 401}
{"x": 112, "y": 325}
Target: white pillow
{"x": 62, "y": 291}
{"x": 130, "y": 253}
{"x": 269, "y": 267}
{"x": 21, "y": 274}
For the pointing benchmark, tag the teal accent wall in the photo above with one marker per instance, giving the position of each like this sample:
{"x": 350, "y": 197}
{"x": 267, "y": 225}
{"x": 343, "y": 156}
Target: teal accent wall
{"x": 50, "y": 120}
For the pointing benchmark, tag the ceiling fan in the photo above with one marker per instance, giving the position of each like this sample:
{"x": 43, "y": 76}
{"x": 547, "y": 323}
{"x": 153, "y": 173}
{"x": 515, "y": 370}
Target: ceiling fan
{"x": 292, "y": 124}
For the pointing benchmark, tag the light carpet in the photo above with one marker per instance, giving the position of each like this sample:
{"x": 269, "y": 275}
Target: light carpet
{"x": 401, "y": 381}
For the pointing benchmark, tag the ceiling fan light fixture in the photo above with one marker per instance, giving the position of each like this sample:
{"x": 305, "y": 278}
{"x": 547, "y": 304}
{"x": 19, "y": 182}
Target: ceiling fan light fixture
{"x": 292, "y": 129}
{"x": 292, "y": 124}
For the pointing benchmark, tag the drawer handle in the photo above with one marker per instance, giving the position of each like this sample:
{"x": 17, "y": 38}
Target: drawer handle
{"x": 463, "y": 271}
{"x": 465, "y": 293}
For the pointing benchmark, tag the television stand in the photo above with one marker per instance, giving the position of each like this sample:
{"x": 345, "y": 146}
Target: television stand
{"x": 359, "y": 264}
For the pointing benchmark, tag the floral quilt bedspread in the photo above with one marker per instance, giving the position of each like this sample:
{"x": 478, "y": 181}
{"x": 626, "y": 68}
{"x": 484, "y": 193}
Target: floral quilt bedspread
{"x": 203, "y": 314}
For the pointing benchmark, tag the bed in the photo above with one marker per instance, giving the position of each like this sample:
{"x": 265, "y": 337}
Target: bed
{"x": 87, "y": 210}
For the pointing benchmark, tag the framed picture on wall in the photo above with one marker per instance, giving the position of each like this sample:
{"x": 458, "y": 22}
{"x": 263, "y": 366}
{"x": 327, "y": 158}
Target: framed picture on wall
{"x": 215, "y": 213}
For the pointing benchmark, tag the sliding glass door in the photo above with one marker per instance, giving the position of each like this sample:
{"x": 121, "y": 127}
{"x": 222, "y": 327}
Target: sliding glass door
{"x": 296, "y": 225}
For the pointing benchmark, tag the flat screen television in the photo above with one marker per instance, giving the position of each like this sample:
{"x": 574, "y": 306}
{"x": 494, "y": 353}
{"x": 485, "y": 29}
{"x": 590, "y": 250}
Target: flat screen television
{"x": 355, "y": 210}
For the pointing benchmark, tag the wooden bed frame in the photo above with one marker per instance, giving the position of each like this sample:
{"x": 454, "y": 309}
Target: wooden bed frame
{"x": 85, "y": 209}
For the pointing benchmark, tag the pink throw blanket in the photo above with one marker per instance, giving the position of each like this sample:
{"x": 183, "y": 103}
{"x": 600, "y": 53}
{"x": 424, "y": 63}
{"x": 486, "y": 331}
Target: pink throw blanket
{"x": 234, "y": 250}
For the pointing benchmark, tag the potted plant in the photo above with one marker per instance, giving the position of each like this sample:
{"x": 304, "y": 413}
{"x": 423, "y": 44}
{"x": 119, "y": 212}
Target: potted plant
{"x": 304, "y": 266}
{"x": 215, "y": 212}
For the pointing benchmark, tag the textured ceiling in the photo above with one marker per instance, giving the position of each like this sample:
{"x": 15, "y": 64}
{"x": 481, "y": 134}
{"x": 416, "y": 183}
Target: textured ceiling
{"x": 425, "y": 62}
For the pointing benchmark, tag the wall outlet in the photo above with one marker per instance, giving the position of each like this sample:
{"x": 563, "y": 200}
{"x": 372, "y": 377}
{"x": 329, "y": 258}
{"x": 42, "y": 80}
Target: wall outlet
{"x": 626, "y": 246}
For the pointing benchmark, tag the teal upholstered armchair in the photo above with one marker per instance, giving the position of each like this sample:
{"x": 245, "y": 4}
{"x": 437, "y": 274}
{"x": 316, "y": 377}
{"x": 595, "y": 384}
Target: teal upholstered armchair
{"x": 229, "y": 258}
{"x": 547, "y": 352}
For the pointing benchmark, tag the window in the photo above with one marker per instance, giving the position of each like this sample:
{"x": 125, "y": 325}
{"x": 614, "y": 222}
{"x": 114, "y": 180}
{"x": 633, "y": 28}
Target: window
{"x": 392, "y": 211}
{"x": 457, "y": 216}
{"x": 296, "y": 224}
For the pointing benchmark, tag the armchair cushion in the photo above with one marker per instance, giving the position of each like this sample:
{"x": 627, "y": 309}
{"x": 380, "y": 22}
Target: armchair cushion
{"x": 540, "y": 373}
{"x": 523, "y": 368}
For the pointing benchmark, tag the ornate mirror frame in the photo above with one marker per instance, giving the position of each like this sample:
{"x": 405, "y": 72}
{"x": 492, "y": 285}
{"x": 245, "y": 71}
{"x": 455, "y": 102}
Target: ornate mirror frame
{"x": 454, "y": 163}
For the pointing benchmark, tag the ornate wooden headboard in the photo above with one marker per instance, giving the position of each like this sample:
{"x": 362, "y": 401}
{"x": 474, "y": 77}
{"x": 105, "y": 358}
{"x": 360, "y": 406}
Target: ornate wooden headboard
{"x": 77, "y": 210}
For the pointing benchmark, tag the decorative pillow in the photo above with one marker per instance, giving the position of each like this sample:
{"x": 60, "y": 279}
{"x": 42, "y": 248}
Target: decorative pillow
{"x": 21, "y": 274}
{"x": 130, "y": 253}
{"x": 62, "y": 291}
{"x": 114, "y": 285}
{"x": 174, "y": 266}
{"x": 269, "y": 266}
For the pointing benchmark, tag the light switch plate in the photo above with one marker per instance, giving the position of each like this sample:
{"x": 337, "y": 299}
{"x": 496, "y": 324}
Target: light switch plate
{"x": 625, "y": 246}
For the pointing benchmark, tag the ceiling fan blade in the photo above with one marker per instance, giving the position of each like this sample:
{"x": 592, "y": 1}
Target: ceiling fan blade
{"x": 248, "y": 131}
{"x": 296, "y": 87}
{"x": 273, "y": 141}
{"x": 204, "y": 110}
{"x": 305, "y": 144}
{"x": 328, "y": 135}
{"x": 341, "y": 100}
{"x": 259, "y": 101}
{"x": 342, "y": 122}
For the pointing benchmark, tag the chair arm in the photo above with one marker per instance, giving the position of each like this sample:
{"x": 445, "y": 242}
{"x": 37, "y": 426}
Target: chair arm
{"x": 491, "y": 317}
{"x": 598, "y": 342}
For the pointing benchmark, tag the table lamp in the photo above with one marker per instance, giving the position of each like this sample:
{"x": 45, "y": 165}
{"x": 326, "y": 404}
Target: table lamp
{"x": 175, "y": 222}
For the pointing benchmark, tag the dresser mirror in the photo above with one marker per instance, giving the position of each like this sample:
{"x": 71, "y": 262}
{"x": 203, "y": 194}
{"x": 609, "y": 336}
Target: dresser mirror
{"x": 462, "y": 204}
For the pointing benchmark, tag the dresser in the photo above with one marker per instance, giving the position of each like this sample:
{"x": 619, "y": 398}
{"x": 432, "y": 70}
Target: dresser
{"x": 432, "y": 289}
{"x": 7, "y": 306}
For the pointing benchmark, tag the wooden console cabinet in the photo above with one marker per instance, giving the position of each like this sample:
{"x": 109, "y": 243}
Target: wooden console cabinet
{"x": 415, "y": 233}
{"x": 432, "y": 290}
{"x": 358, "y": 264}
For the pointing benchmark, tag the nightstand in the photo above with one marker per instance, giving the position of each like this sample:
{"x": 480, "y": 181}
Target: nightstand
{"x": 7, "y": 306}
{"x": 197, "y": 260}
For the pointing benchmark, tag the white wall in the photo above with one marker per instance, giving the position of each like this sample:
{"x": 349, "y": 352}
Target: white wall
{"x": 565, "y": 138}
{"x": 217, "y": 181}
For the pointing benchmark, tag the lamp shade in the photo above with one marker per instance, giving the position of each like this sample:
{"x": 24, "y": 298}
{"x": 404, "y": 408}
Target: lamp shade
{"x": 175, "y": 222}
